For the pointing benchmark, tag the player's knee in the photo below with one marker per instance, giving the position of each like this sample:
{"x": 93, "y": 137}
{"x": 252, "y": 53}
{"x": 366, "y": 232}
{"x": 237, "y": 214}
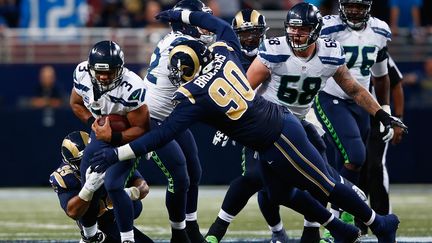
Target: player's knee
{"x": 181, "y": 184}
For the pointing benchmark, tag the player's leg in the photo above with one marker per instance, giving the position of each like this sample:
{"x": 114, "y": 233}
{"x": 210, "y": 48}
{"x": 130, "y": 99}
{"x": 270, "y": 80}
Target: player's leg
{"x": 172, "y": 162}
{"x": 294, "y": 155}
{"x": 115, "y": 178}
{"x": 240, "y": 190}
{"x": 190, "y": 151}
{"x": 89, "y": 220}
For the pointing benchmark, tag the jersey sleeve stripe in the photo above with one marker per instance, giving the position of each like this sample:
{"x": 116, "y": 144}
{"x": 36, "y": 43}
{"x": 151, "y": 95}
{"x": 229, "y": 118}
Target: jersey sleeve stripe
{"x": 333, "y": 29}
{"x": 187, "y": 94}
{"x": 274, "y": 58}
{"x": 81, "y": 87}
{"x": 332, "y": 60}
{"x": 382, "y": 32}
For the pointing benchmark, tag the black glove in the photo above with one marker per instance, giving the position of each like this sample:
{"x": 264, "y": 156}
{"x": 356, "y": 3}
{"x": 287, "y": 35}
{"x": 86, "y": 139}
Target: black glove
{"x": 169, "y": 16}
{"x": 389, "y": 122}
{"x": 103, "y": 159}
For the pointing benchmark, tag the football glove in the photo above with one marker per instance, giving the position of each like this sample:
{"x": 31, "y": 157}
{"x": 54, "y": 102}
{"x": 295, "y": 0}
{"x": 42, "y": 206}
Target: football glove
{"x": 221, "y": 138}
{"x": 94, "y": 181}
{"x": 389, "y": 122}
{"x": 103, "y": 159}
{"x": 169, "y": 16}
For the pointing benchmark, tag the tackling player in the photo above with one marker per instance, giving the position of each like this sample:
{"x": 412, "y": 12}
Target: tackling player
{"x": 66, "y": 182}
{"x": 178, "y": 158}
{"x": 250, "y": 27}
{"x": 364, "y": 40}
{"x": 220, "y": 95}
{"x": 102, "y": 85}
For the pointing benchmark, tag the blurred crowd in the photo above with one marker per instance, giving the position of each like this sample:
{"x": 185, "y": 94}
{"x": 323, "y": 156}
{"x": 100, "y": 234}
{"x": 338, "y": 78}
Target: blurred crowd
{"x": 409, "y": 15}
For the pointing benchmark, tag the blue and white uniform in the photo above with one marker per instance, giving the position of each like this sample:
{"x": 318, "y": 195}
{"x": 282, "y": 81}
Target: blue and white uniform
{"x": 127, "y": 96}
{"x": 345, "y": 121}
{"x": 178, "y": 159}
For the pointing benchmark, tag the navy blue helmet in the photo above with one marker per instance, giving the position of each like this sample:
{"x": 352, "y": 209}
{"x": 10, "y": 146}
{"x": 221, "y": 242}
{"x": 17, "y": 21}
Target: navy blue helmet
{"x": 355, "y": 13}
{"x": 105, "y": 63}
{"x": 73, "y": 146}
{"x": 187, "y": 60}
{"x": 303, "y": 20}
{"x": 187, "y": 29}
{"x": 250, "y": 27}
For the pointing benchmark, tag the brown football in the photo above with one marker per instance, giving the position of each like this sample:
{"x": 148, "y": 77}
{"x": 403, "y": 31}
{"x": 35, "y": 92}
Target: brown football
{"x": 118, "y": 123}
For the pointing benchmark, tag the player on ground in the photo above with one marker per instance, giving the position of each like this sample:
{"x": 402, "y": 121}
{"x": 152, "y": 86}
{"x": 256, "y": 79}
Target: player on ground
{"x": 179, "y": 158}
{"x": 220, "y": 95}
{"x": 66, "y": 182}
{"x": 102, "y": 86}
{"x": 250, "y": 27}
{"x": 364, "y": 40}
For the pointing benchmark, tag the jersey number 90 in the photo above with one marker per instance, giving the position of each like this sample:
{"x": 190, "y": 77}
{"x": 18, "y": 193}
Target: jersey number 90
{"x": 232, "y": 92}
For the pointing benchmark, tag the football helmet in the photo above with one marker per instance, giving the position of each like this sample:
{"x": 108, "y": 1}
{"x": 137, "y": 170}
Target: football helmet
{"x": 73, "y": 146}
{"x": 303, "y": 26}
{"x": 187, "y": 60}
{"x": 250, "y": 27}
{"x": 355, "y": 13}
{"x": 105, "y": 65}
{"x": 187, "y": 29}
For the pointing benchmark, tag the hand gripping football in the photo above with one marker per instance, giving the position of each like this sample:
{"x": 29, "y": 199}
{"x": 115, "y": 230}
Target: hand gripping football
{"x": 118, "y": 123}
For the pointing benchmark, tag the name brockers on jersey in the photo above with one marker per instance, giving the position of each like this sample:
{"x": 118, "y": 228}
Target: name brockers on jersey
{"x": 202, "y": 80}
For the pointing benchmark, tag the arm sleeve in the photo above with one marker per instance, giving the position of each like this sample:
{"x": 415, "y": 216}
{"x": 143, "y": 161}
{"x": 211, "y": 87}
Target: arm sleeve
{"x": 379, "y": 69}
{"x": 179, "y": 120}
{"x": 218, "y": 26}
{"x": 394, "y": 73}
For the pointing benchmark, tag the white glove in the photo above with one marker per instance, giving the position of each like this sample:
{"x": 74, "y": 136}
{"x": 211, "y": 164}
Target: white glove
{"x": 133, "y": 193}
{"x": 94, "y": 180}
{"x": 389, "y": 135}
{"x": 220, "y": 137}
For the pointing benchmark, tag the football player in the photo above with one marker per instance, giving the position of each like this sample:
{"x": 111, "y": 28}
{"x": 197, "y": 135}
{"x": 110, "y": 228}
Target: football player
{"x": 364, "y": 40}
{"x": 66, "y": 182}
{"x": 178, "y": 158}
{"x": 102, "y": 86}
{"x": 250, "y": 27}
{"x": 213, "y": 89}
{"x": 374, "y": 179}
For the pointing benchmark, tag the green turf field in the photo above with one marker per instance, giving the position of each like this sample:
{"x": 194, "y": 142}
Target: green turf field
{"x": 34, "y": 214}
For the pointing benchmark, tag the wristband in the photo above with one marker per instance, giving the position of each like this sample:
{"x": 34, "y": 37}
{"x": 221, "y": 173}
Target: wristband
{"x": 90, "y": 120}
{"x": 85, "y": 194}
{"x": 116, "y": 137}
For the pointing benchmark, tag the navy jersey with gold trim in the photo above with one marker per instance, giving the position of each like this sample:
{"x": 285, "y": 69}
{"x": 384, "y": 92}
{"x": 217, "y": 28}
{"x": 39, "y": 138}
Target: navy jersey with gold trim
{"x": 66, "y": 182}
{"x": 223, "y": 99}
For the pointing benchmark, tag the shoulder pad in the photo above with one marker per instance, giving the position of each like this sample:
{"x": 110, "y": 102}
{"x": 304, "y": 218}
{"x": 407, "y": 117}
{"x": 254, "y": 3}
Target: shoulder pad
{"x": 220, "y": 44}
{"x": 274, "y": 50}
{"x": 332, "y": 24}
{"x": 65, "y": 177}
{"x": 380, "y": 27}
{"x": 80, "y": 71}
{"x": 181, "y": 94}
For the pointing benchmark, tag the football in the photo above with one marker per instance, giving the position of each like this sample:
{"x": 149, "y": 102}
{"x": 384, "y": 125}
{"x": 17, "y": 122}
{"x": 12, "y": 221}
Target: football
{"x": 118, "y": 123}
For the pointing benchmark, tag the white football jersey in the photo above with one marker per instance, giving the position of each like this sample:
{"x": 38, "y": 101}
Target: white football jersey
{"x": 361, "y": 48}
{"x": 126, "y": 97}
{"x": 294, "y": 81}
{"x": 159, "y": 88}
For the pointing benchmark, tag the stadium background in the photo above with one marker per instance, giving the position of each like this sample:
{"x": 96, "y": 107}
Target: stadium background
{"x": 30, "y": 138}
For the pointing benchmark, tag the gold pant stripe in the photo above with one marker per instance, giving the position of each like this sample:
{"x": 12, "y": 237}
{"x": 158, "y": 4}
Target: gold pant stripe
{"x": 306, "y": 160}
{"x": 300, "y": 169}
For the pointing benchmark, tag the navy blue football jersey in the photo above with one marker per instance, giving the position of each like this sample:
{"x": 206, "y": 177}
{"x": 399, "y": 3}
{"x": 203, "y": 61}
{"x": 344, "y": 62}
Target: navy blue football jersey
{"x": 223, "y": 99}
{"x": 66, "y": 182}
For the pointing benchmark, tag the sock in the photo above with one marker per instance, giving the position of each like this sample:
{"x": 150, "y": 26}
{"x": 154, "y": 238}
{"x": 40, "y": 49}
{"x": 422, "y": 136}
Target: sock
{"x": 90, "y": 231}
{"x": 224, "y": 216}
{"x": 178, "y": 225}
{"x": 310, "y": 234}
{"x": 179, "y": 236}
{"x": 192, "y": 229}
{"x": 218, "y": 229}
{"x": 277, "y": 227}
{"x": 127, "y": 236}
{"x": 191, "y": 216}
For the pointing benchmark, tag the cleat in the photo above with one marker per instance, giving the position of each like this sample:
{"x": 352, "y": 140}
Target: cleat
{"x": 279, "y": 237}
{"x": 128, "y": 241}
{"x": 386, "y": 232}
{"x": 347, "y": 218}
{"x": 97, "y": 238}
{"x": 350, "y": 233}
{"x": 327, "y": 237}
{"x": 211, "y": 239}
